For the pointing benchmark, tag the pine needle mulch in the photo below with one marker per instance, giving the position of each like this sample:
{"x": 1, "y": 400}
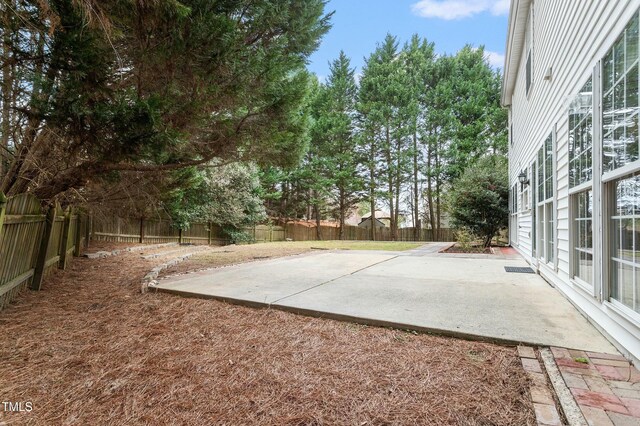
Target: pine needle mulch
{"x": 90, "y": 349}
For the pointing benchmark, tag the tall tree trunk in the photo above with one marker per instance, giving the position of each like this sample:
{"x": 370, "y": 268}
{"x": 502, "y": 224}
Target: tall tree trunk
{"x": 398, "y": 176}
{"x": 432, "y": 216}
{"x": 342, "y": 208}
{"x": 438, "y": 215}
{"x": 316, "y": 207}
{"x": 372, "y": 189}
{"x": 7, "y": 88}
{"x": 390, "y": 185}
{"x": 416, "y": 209}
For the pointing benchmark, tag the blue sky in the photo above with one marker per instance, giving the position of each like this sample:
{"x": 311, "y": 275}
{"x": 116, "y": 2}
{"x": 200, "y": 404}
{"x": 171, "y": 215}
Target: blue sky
{"x": 359, "y": 24}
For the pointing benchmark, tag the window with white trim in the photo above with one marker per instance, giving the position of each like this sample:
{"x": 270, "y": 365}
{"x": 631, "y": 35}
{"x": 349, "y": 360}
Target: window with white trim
{"x": 621, "y": 168}
{"x": 582, "y": 213}
{"x": 524, "y": 196}
{"x": 620, "y": 100}
{"x": 545, "y": 210}
{"x": 581, "y": 136}
{"x": 625, "y": 235}
{"x": 580, "y": 183}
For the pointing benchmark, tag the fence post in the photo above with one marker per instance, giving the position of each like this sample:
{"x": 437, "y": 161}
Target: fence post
{"x": 3, "y": 211}
{"x": 209, "y": 233}
{"x": 88, "y": 229}
{"x": 66, "y": 229}
{"x": 78, "y": 239}
{"x": 38, "y": 273}
{"x": 180, "y": 236}
{"x": 141, "y": 240}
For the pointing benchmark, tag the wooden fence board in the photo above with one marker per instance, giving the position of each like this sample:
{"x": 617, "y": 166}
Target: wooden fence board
{"x": 21, "y": 236}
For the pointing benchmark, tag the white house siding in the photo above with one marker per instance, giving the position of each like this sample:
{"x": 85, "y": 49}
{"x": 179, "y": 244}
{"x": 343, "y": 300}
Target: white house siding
{"x": 570, "y": 38}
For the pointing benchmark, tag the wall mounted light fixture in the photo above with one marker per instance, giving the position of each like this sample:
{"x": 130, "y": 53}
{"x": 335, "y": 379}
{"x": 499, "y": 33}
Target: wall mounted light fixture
{"x": 523, "y": 179}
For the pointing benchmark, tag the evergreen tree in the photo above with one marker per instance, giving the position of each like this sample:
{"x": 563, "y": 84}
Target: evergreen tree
{"x": 384, "y": 107}
{"x": 334, "y": 134}
{"x": 418, "y": 57}
{"x": 111, "y": 87}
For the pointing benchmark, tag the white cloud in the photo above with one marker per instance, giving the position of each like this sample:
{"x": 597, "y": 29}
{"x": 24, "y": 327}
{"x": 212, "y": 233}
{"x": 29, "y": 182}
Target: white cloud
{"x": 496, "y": 60}
{"x": 501, "y": 7}
{"x": 459, "y": 9}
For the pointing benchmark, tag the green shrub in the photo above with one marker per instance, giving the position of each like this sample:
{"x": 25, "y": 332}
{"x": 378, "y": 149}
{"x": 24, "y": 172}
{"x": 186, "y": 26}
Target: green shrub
{"x": 465, "y": 238}
{"x": 479, "y": 199}
{"x": 238, "y": 236}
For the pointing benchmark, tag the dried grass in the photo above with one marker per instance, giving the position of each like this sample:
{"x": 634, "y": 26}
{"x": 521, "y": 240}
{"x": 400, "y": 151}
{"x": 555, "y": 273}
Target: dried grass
{"x": 234, "y": 254}
{"x": 90, "y": 349}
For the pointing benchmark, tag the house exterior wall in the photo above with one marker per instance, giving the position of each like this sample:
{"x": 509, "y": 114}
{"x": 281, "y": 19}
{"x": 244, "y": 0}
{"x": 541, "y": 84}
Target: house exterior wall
{"x": 569, "y": 40}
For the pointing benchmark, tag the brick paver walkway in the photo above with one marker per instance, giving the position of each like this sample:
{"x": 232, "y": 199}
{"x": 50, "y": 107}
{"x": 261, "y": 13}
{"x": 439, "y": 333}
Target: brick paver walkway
{"x": 540, "y": 389}
{"x": 606, "y": 387}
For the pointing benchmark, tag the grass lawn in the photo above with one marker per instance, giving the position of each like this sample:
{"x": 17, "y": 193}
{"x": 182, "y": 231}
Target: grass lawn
{"x": 358, "y": 245}
{"x": 91, "y": 349}
{"x": 234, "y": 254}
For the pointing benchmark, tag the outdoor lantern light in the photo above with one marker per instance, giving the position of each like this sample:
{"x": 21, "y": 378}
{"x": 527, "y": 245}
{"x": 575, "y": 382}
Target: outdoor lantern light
{"x": 522, "y": 177}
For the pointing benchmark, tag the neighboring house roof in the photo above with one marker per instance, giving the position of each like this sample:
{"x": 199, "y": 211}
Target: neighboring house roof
{"x": 312, "y": 223}
{"x": 353, "y": 218}
{"x": 518, "y": 14}
{"x": 366, "y": 223}
{"x": 379, "y": 215}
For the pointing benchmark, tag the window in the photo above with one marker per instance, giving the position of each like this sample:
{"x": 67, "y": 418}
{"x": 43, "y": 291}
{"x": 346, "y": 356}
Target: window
{"x": 526, "y": 206}
{"x": 581, "y": 174}
{"x": 513, "y": 225}
{"x": 620, "y": 142}
{"x": 620, "y": 100}
{"x": 546, "y": 212}
{"x": 524, "y": 196}
{"x": 533, "y": 211}
{"x": 581, "y": 136}
{"x": 625, "y": 233}
{"x": 583, "y": 236}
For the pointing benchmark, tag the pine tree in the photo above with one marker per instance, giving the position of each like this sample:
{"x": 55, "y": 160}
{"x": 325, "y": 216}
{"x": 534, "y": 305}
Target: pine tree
{"x": 153, "y": 86}
{"x": 384, "y": 106}
{"x": 334, "y": 132}
{"x": 418, "y": 57}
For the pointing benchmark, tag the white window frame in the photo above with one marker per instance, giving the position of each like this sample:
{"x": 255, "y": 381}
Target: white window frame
{"x": 546, "y": 206}
{"x": 573, "y": 193}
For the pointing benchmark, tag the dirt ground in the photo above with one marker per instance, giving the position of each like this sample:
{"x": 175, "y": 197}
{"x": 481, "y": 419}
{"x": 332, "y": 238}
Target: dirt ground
{"x": 91, "y": 349}
{"x": 234, "y": 254}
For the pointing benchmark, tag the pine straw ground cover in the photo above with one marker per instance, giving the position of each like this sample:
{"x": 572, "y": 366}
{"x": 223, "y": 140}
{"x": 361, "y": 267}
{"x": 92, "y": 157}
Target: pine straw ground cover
{"x": 90, "y": 349}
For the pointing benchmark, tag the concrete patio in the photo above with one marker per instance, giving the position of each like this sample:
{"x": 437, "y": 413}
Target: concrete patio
{"x": 458, "y": 295}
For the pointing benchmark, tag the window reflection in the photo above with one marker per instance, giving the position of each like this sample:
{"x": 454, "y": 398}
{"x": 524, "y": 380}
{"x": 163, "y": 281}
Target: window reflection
{"x": 625, "y": 257}
{"x": 620, "y": 100}
{"x": 580, "y": 136}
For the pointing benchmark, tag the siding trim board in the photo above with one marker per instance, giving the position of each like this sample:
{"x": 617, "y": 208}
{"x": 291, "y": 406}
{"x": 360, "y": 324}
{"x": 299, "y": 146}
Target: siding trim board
{"x": 572, "y": 38}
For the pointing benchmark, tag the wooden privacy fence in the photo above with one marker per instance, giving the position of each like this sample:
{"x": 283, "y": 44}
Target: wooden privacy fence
{"x": 158, "y": 230}
{"x": 152, "y": 231}
{"x": 33, "y": 243}
{"x": 300, "y": 232}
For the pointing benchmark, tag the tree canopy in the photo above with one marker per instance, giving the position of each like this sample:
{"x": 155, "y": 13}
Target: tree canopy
{"x": 479, "y": 198}
{"x": 99, "y": 89}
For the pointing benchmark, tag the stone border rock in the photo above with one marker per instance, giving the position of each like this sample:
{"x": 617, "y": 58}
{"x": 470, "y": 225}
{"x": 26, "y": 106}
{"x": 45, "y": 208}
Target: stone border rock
{"x": 103, "y": 254}
{"x": 569, "y": 406}
{"x": 544, "y": 405}
{"x": 163, "y": 254}
{"x": 151, "y": 279}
